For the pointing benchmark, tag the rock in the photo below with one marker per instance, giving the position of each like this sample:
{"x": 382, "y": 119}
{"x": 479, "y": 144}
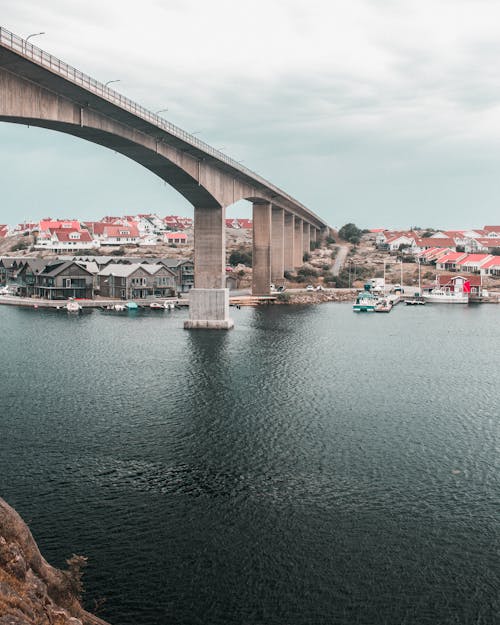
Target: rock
{"x": 32, "y": 592}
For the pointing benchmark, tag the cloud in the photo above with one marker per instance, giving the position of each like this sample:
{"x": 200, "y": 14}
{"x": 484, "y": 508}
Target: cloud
{"x": 365, "y": 109}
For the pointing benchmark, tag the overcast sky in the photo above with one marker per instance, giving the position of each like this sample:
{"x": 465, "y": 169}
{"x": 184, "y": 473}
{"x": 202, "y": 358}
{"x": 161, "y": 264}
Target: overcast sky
{"x": 381, "y": 112}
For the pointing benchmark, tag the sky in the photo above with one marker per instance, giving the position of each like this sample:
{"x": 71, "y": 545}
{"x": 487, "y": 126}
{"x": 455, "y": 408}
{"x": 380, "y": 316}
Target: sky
{"x": 385, "y": 113}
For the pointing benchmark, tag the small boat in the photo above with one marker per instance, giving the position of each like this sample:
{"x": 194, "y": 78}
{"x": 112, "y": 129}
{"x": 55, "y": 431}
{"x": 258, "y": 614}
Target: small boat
{"x": 156, "y": 306}
{"x": 118, "y": 307}
{"x": 365, "y": 302}
{"x": 169, "y": 305}
{"x": 415, "y": 301}
{"x": 446, "y": 296}
{"x": 131, "y": 306}
{"x": 73, "y": 307}
{"x": 383, "y": 305}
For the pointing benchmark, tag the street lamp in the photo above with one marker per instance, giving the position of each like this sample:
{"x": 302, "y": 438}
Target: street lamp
{"x": 29, "y": 37}
{"x": 33, "y": 35}
{"x": 160, "y": 111}
{"x": 110, "y": 81}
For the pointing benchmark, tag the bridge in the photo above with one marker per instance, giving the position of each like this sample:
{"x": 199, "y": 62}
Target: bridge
{"x": 38, "y": 89}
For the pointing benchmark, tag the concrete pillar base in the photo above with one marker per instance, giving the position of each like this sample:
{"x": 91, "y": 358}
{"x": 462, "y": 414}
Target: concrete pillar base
{"x": 209, "y": 309}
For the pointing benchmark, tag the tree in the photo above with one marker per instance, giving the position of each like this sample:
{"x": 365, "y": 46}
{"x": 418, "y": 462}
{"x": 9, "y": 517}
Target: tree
{"x": 240, "y": 257}
{"x": 351, "y": 233}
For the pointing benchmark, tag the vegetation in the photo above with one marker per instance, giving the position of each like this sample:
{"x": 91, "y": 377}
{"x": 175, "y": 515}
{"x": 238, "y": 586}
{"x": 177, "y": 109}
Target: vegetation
{"x": 351, "y": 233}
{"x": 306, "y": 257}
{"x": 20, "y": 245}
{"x": 283, "y": 297}
{"x": 241, "y": 257}
{"x": 74, "y": 574}
{"x": 330, "y": 240}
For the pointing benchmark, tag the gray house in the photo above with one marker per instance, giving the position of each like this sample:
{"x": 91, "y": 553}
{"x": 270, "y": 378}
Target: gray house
{"x": 61, "y": 280}
{"x": 136, "y": 281}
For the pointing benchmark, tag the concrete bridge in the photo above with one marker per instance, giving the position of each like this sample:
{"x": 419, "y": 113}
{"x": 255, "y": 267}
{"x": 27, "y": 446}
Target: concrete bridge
{"x": 37, "y": 89}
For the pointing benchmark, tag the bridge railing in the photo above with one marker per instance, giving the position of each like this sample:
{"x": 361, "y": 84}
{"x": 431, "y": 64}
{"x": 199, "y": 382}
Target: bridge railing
{"x": 39, "y": 56}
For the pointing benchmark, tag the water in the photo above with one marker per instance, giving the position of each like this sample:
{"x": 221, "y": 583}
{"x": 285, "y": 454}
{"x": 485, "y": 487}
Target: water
{"x": 310, "y": 467}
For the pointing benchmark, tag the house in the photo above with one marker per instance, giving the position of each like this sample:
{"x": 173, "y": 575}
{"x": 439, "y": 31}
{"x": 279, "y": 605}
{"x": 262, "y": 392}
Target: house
{"x": 176, "y": 238}
{"x": 136, "y": 281}
{"x": 64, "y": 279}
{"x": 491, "y": 267}
{"x": 4, "y": 231}
{"x": 493, "y": 231}
{"x": 184, "y": 270}
{"x": 472, "y": 262}
{"x": 448, "y": 261}
{"x": 432, "y": 255}
{"x": 467, "y": 284}
{"x": 27, "y": 273}
{"x": 9, "y": 268}
{"x": 64, "y": 239}
{"x": 111, "y": 234}
{"x": 437, "y": 242}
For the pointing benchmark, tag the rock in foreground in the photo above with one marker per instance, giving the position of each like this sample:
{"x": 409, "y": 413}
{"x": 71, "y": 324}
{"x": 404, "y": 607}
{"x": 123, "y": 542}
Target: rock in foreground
{"x": 31, "y": 591}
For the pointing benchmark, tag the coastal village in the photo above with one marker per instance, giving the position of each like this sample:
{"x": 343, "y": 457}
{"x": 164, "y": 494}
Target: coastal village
{"x": 146, "y": 257}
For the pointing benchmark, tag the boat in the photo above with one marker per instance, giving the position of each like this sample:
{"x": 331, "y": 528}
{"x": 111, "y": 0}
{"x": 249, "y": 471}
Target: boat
{"x": 118, "y": 307}
{"x": 365, "y": 302}
{"x": 415, "y": 301}
{"x": 383, "y": 305}
{"x": 156, "y": 306}
{"x": 169, "y": 305}
{"x": 446, "y": 296}
{"x": 73, "y": 307}
{"x": 131, "y": 306}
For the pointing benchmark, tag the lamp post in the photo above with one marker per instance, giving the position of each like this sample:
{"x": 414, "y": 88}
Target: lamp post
{"x": 110, "y": 81}
{"x": 29, "y": 37}
{"x": 160, "y": 111}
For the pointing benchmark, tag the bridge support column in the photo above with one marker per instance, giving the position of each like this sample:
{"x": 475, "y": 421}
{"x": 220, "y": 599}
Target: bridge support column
{"x": 277, "y": 245}
{"x": 261, "y": 254}
{"x": 298, "y": 243}
{"x": 312, "y": 233}
{"x": 306, "y": 233}
{"x": 289, "y": 242}
{"x": 209, "y": 299}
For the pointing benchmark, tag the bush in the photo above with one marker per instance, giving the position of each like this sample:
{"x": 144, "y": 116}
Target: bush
{"x": 306, "y": 256}
{"x": 283, "y": 297}
{"x": 330, "y": 240}
{"x": 240, "y": 257}
{"x": 351, "y": 233}
{"x": 20, "y": 245}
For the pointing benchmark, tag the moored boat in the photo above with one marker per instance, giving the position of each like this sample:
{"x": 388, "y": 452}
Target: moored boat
{"x": 446, "y": 296}
{"x": 73, "y": 307}
{"x": 365, "y": 302}
{"x": 156, "y": 306}
{"x": 383, "y": 305}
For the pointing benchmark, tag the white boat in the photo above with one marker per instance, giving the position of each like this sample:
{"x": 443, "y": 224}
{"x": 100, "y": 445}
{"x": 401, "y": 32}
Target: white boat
{"x": 119, "y": 307}
{"x": 365, "y": 302}
{"x": 156, "y": 306}
{"x": 73, "y": 306}
{"x": 446, "y": 296}
{"x": 383, "y": 305}
{"x": 169, "y": 305}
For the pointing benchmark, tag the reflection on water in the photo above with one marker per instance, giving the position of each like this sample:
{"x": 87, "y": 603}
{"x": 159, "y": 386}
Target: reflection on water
{"x": 310, "y": 466}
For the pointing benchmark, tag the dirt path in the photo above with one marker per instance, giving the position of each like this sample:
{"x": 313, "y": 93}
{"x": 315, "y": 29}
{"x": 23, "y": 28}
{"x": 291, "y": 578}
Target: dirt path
{"x": 343, "y": 250}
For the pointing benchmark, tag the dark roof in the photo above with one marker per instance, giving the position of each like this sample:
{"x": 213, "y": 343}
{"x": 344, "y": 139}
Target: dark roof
{"x": 55, "y": 269}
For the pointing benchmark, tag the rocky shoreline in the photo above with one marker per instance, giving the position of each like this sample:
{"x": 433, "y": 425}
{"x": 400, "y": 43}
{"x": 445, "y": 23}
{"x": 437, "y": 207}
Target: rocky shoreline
{"x": 32, "y": 592}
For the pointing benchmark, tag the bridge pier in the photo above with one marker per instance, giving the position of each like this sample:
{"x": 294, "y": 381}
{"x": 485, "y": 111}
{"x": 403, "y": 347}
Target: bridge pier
{"x": 261, "y": 253}
{"x": 298, "y": 251}
{"x": 289, "y": 242}
{"x": 277, "y": 245}
{"x": 306, "y": 232}
{"x": 209, "y": 299}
